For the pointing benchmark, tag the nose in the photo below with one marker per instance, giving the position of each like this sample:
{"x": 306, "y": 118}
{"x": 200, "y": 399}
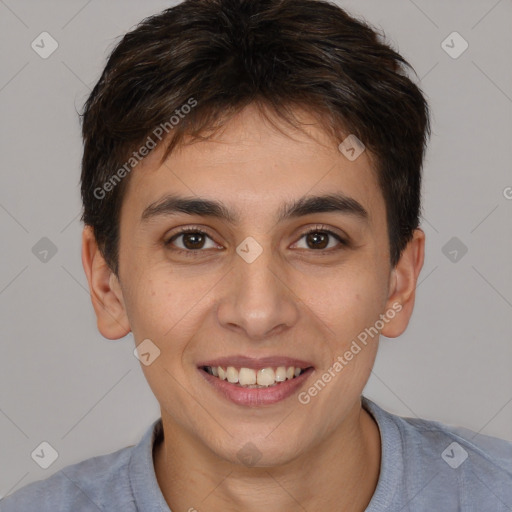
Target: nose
{"x": 258, "y": 301}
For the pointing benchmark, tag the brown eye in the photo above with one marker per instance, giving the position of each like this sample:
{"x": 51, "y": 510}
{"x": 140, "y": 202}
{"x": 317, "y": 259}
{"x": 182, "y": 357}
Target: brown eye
{"x": 188, "y": 240}
{"x": 319, "y": 239}
{"x": 193, "y": 240}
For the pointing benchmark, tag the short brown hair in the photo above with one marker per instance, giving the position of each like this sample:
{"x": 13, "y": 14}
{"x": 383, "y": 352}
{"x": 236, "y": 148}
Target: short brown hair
{"x": 279, "y": 54}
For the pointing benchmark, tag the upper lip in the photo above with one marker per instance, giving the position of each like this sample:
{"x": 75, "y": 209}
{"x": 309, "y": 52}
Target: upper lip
{"x": 240, "y": 361}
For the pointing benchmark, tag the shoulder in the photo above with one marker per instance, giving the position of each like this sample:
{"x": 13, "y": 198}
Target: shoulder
{"x": 456, "y": 445}
{"x": 468, "y": 469}
{"x": 474, "y": 468}
{"x": 96, "y": 484}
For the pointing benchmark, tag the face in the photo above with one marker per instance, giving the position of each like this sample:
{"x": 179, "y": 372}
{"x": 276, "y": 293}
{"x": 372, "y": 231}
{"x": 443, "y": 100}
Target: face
{"x": 248, "y": 287}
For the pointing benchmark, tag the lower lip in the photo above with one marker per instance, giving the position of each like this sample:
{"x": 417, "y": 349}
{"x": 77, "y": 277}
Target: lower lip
{"x": 254, "y": 397}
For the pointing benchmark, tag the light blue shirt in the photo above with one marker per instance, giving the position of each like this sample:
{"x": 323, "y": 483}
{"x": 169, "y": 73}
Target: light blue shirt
{"x": 425, "y": 466}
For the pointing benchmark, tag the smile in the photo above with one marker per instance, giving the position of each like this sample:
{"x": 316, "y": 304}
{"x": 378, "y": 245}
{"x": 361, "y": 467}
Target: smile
{"x": 253, "y": 378}
{"x": 253, "y": 387}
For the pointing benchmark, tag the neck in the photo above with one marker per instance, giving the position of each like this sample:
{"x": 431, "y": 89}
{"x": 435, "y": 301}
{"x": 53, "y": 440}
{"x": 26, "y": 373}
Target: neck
{"x": 338, "y": 474}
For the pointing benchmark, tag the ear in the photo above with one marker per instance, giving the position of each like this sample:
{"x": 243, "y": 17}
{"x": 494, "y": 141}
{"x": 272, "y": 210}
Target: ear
{"x": 402, "y": 285}
{"x": 106, "y": 295}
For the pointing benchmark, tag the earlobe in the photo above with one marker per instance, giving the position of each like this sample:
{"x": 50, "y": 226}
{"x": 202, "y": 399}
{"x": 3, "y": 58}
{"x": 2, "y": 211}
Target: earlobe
{"x": 106, "y": 295}
{"x": 403, "y": 282}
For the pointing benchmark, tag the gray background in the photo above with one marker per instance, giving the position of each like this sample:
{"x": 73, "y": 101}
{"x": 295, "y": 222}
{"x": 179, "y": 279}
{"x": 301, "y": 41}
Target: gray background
{"x": 62, "y": 382}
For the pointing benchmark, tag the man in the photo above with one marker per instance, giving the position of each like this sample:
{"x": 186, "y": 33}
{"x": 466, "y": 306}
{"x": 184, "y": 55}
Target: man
{"x": 251, "y": 184}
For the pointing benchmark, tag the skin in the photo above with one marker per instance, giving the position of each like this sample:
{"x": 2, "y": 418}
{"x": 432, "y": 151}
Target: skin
{"x": 290, "y": 301}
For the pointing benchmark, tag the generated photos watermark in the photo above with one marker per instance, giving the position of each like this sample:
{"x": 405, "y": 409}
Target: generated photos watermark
{"x": 354, "y": 349}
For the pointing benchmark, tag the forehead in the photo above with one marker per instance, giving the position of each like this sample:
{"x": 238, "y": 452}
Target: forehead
{"x": 253, "y": 168}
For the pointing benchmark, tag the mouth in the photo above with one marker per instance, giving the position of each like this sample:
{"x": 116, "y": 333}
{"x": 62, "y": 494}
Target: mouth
{"x": 252, "y": 378}
{"x": 251, "y": 382}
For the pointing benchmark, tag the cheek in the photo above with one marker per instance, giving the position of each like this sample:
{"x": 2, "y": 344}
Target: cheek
{"x": 148, "y": 299}
{"x": 166, "y": 305}
{"x": 347, "y": 300}
{"x": 161, "y": 310}
{"x": 156, "y": 308}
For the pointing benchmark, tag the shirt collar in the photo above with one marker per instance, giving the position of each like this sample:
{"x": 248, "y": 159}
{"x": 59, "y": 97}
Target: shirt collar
{"x": 149, "y": 497}
{"x": 145, "y": 489}
{"x": 391, "y": 457}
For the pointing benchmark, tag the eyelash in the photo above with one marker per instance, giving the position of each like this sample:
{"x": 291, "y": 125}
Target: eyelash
{"x": 195, "y": 252}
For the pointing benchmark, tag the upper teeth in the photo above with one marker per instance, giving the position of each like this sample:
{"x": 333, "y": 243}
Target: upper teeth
{"x": 251, "y": 377}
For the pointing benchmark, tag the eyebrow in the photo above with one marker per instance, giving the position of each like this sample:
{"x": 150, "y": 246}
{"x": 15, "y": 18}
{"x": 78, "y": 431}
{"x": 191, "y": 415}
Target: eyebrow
{"x": 306, "y": 205}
